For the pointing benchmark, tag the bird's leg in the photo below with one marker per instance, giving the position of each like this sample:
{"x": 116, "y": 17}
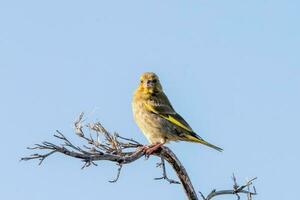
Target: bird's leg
{"x": 153, "y": 148}
{"x": 144, "y": 148}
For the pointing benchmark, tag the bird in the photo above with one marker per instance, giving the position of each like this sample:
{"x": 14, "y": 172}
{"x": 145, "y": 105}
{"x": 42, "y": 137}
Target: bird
{"x": 156, "y": 117}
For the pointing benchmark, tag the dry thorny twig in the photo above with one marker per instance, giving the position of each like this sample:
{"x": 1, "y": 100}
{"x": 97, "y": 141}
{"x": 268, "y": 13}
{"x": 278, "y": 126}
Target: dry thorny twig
{"x": 113, "y": 147}
{"x": 245, "y": 189}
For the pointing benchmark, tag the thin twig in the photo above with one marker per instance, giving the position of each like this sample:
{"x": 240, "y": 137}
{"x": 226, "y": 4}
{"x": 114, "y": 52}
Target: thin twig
{"x": 118, "y": 174}
{"x": 165, "y": 177}
{"x": 235, "y": 191}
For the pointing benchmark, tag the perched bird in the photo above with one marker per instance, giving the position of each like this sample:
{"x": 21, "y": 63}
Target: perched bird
{"x": 156, "y": 117}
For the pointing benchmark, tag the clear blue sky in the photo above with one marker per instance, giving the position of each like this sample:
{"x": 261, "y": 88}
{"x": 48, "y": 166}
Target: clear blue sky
{"x": 231, "y": 68}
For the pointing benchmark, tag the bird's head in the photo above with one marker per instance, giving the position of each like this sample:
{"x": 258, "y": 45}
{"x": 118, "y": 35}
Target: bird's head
{"x": 149, "y": 83}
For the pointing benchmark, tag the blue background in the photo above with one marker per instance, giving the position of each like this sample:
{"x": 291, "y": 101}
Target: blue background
{"x": 230, "y": 68}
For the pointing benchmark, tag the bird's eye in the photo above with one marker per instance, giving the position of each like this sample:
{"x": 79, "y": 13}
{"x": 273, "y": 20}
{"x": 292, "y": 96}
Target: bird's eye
{"x": 141, "y": 81}
{"x": 154, "y": 81}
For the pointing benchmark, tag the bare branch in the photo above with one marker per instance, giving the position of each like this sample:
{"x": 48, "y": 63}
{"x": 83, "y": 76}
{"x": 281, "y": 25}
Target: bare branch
{"x": 102, "y": 145}
{"x": 118, "y": 174}
{"x": 163, "y": 166}
{"x": 235, "y": 191}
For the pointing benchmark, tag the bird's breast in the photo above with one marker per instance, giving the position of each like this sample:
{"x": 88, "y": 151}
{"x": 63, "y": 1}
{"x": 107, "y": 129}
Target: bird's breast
{"x": 149, "y": 123}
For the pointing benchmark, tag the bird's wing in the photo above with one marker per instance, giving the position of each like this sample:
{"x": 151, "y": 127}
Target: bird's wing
{"x": 164, "y": 109}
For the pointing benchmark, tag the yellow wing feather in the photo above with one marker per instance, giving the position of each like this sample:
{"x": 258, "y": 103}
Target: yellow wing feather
{"x": 168, "y": 117}
{"x": 176, "y": 122}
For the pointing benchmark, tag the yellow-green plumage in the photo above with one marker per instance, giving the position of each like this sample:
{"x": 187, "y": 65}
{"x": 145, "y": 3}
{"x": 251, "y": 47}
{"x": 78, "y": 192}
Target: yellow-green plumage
{"x": 156, "y": 117}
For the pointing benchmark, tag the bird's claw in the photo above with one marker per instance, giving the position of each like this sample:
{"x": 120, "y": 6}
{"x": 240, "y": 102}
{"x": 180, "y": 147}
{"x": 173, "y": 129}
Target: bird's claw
{"x": 150, "y": 149}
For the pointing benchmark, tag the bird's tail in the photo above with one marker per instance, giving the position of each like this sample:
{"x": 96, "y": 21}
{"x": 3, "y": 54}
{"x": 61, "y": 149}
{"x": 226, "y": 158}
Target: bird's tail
{"x": 193, "y": 137}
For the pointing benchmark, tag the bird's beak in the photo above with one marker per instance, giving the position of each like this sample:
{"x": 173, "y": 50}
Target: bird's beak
{"x": 150, "y": 83}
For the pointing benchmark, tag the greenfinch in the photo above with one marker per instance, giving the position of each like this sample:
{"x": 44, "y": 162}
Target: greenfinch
{"x": 156, "y": 117}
